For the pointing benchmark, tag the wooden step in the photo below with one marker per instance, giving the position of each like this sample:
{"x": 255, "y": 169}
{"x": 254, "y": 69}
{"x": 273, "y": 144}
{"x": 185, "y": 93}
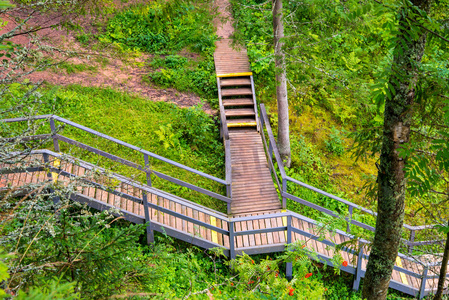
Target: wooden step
{"x": 241, "y": 122}
{"x": 236, "y": 92}
{"x": 239, "y": 112}
{"x": 238, "y": 102}
{"x": 235, "y": 81}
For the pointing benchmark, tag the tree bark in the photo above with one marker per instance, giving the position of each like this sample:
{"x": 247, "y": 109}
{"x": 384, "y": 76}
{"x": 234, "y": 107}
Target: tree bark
{"x": 443, "y": 270}
{"x": 391, "y": 178}
{"x": 281, "y": 84}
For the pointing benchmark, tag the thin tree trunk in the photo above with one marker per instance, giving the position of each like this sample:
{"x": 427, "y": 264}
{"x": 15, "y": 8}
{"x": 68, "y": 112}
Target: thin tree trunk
{"x": 391, "y": 176}
{"x": 443, "y": 270}
{"x": 281, "y": 84}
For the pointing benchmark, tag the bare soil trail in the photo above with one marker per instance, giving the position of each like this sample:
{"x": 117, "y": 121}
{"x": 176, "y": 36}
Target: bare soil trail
{"x": 223, "y": 23}
{"x": 107, "y": 68}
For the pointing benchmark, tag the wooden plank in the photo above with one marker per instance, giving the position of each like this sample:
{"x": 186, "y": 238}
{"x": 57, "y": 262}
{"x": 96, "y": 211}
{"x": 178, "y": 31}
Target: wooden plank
{"x": 239, "y": 112}
{"x": 190, "y": 224}
{"x": 225, "y": 237}
{"x": 160, "y": 215}
{"x": 214, "y": 235}
{"x": 237, "y": 102}
{"x": 237, "y": 74}
{"x": 178, "y": 209}
{"x": 172, "y": 218}
{"x": 219, "y": 235}
{"x": 196, "y": 227}
{"x": 166, "y": 215}
{"x": 258, "y": 237}
{"x": 235, "y": 81}
{"x": 202, "y": 229}
{"x": 413, "y": 281}
{"x": 274, "y": 223}
{"x": 283, "y": 234}
{"x": 269, "y": 234}
{"x": 245, "y": 237}
{"x": 239, "y": 239}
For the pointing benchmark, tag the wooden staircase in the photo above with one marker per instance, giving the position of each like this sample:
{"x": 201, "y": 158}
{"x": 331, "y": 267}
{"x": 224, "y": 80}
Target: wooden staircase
{"x": 252, "y": 188}
{"x": 236, "y": 96}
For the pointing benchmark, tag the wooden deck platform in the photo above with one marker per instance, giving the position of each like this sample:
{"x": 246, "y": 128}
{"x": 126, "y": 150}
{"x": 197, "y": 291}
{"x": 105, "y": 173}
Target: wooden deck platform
{"x": 230, "y": 60}
{"x": 252, "y": 186}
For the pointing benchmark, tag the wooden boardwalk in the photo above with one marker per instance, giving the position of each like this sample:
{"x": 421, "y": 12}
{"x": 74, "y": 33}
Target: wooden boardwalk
{"x": 199, "y": 225}
{"x": 252, "y": 186}
{"x": 257, "y": 223}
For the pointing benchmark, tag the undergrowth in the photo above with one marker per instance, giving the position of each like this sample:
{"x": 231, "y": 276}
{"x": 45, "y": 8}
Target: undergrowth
{"x": 172, "y": 30}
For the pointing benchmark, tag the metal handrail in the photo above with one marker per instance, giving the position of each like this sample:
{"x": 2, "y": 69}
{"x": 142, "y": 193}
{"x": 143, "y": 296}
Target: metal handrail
{"x": 288, "y": 225}
{"x": 57, "y": 137}
{"x": 224, "y": 124}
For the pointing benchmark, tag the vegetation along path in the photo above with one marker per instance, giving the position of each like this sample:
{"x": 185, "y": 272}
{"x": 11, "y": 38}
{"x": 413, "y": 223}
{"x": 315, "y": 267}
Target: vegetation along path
{"x": 257, "y": 220}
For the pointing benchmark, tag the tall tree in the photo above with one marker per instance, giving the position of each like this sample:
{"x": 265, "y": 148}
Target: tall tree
{"x": 409, "y": 49}
{"x": 281, "y": 84}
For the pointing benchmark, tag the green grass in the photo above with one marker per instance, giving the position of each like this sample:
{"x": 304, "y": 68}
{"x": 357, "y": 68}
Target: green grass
{"x": 71, "y": 68}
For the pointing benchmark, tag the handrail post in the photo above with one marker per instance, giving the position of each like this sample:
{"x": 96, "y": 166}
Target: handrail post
{"x": 147, "y": 168}
{"x": 348, "y": 225}
{"x": 228, "y": 171}
{"x": 53, "y": 134}
{"x": 150, "y": 232}
{"x": 231, "y": 240}
{"x": 358, "y": 270}
{"x": 289, "y": 265}
{"x": 284, "y": 190}
{"x": 412, "y": 239}
{"x": 422, "y": 288}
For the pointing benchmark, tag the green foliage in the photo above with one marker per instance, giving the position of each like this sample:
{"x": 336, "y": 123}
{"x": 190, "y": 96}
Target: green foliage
{"x": 54, "y": 290}
{"x": 335, "y": 143}
{"x": 74, "y": 68}
{"x": 170, "y": 27}
{"x": 84, "y": 38}
{"x": 196, "y": 75}
{"x": 163, "y": 27}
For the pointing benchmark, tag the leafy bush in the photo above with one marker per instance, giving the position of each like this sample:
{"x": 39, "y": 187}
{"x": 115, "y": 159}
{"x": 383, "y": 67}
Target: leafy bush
{"x": 163, "y": 27}
{"x": 335, "y": 143}
{"x": 185, "y": 75}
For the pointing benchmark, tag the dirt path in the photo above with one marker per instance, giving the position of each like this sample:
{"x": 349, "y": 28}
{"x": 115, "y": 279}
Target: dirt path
{"x": 224, "y": 22}
{"x": 106, "y": 67}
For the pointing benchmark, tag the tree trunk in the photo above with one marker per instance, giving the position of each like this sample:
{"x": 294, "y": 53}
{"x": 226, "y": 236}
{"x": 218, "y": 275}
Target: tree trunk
{"x": 443, "y": 270}
{"x": 281, "y": 84}
{"x": 391, "y": 177}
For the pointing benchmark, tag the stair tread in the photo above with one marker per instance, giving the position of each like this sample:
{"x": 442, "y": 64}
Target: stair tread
{"x": 236, "y": 92}
{"x": 241, "y": 122}
{"x": 235, "y": 112}
{"x": 235, "y": 81}
{"x": 238, "y": 102}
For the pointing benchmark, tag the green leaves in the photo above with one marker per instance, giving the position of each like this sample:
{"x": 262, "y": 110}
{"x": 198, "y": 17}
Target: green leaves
{"x": 163, "y": 27}
{"x": 442, "y": 228}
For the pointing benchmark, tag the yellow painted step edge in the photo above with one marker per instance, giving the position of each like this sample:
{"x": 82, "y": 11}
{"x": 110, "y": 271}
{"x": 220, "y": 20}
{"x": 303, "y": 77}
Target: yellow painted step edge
{"x": 235, "y": 74}
{"x": 56, "y": 164}
{"x": 242, "y": 124}
{"x": 213, "y": 222}
{"x": 403, "y": 277}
